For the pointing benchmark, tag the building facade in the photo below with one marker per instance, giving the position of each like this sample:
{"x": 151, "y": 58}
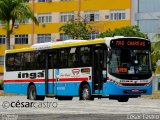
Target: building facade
{"x": 52, "y": 14}
{"x": 146, "y": 14}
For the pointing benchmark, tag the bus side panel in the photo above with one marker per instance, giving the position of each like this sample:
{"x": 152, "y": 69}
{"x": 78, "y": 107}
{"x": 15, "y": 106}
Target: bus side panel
{"x": 14, "y": 84}
{"x": 16, "y": 88}
{"x": 69, "y": 89}
{"x": 40, "y": 88}
{"x": 18, "y": 81}
{"x": 21, "y": 88}
{"x": 69, "y": 80}
{"x": 109, "y": 88}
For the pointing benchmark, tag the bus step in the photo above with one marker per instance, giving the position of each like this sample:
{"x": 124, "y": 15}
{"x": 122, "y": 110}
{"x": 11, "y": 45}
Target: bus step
{"x": 50, "y": 95}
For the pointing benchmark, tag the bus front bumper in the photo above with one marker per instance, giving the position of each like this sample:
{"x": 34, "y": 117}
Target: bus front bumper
{"x": 110, "y": 88}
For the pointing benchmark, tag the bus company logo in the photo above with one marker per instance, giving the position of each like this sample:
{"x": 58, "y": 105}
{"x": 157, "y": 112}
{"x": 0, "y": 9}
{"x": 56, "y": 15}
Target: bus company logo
{"x": 31, "y": 75}
{"x": 75, "y": 71}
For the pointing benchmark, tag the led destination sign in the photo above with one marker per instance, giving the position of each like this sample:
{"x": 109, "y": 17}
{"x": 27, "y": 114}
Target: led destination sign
{"x": 138, "y": 43}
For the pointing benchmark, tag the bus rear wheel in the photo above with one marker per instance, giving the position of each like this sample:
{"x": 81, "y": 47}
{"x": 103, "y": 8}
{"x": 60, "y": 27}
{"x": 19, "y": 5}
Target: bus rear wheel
{"x": 85, "y": 93}
{"x": 32, "y": 93}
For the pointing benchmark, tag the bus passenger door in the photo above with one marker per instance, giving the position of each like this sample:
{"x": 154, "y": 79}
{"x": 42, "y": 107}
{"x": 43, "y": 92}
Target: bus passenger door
{"x": 50, "y": 83}
{"x": 99, "y": 68}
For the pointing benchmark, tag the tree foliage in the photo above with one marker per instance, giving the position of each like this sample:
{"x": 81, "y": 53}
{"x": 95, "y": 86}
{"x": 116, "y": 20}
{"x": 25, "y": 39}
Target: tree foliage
{"x": 12, "y": 10}
{"x": 76, "y": 29}
{"x": 129, "y": 31}
{"x": 155, "y": 52}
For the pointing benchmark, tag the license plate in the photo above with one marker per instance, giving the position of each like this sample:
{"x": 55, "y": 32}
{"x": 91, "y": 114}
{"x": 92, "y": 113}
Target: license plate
{"x": 135, "y": 91}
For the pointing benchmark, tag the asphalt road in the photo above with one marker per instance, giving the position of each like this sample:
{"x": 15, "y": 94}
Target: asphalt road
{"x": 18, "y": 107}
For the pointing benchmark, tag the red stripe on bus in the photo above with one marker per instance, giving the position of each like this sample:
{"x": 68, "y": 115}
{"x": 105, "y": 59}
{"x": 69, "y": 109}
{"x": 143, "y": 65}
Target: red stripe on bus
{"x": 30, "y": 80}
{"x": 50, "y": 80}
{"x": 73, "y": 79}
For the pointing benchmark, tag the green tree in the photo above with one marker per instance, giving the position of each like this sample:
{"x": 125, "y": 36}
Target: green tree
{"x": 76, "y": 29}
{"x": 129, "y": 31}
{"x": 12, "y": 10}
{"x": 155, "y": 52}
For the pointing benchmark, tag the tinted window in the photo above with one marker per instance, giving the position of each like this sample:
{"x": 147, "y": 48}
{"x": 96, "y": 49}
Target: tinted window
{"x": 9, "y": 62}
{"x": 85, "y": 56}
{"x": 52, "y": 59}
{"x": 63, "y": 57}
{"x": 72, "y": 59}
{"x": 18, "y": 61}
{"x": 34, "y": 60}
{"x": 39, "y": 60}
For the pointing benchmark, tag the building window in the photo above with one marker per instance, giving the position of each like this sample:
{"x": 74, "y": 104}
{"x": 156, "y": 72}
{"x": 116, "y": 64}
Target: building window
{"x": 66, "y": 16}
{"x": 118, "y": 15}
{"x": 92, "y": 16}
{"x": 42, "y": 38}
{"x": 64, "y": 36}
{"x": 93, "y": 35}
{"x": 1, "y": 60}
{"x": 2, "y": 39}
{"x": 21, "y": 39}
{"x": 45, "y": 18}
{"x": 26, "y": 21}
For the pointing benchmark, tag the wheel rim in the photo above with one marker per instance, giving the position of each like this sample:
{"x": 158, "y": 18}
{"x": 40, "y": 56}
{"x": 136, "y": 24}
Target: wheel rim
{"x": 85, "y": 94}
{"x": 32, "y": 93}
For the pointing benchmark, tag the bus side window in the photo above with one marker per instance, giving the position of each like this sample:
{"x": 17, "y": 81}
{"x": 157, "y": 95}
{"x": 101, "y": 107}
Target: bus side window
{"x": 18, "y": 62}
{"x": 63, "y": 58}
{"x": 72, "y": 62}
{"x": 52, "y": 59}
{"x": 10, "y": 62}
{"x": 39, "y": 60}
{"x": 55, "y": 60}
{"x": 105, "y": 58}
{"x": 85, "y": 56}
{"x": 27, "y": 61}
{"x": 32, "y": 59}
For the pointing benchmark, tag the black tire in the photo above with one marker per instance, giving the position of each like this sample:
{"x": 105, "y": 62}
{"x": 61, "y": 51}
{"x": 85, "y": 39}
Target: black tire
{"x": 32, "y": 93}
{"x": 40, "y": 97}
{"x": 64, "y": 97}
{"x": 123, "y": 99}
{"x": 85, "y": 93}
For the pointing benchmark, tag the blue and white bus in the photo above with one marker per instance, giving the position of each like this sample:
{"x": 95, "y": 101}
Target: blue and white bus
{"x": 113, "y": 67}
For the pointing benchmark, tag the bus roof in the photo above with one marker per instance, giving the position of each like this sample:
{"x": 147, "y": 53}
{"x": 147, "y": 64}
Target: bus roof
{"x": 68, "y": 43}
{"x": 60, "y": 44}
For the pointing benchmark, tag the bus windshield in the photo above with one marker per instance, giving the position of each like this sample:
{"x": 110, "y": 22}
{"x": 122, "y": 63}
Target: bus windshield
{"x": 130, "y": 62}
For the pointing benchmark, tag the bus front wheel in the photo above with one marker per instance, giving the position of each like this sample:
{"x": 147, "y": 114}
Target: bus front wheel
{"x": 64, "y": 97}
{"x": 85, "y": 93}
{"x": 123, "y": 99}
{"x": 32, "y": 93}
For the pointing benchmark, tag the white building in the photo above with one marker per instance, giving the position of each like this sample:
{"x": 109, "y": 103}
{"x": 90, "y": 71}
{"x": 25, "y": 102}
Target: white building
{"x": 146, "y": 14}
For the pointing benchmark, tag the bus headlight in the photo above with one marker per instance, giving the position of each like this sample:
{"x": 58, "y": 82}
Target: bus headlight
{"x": 115, "y": 82}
